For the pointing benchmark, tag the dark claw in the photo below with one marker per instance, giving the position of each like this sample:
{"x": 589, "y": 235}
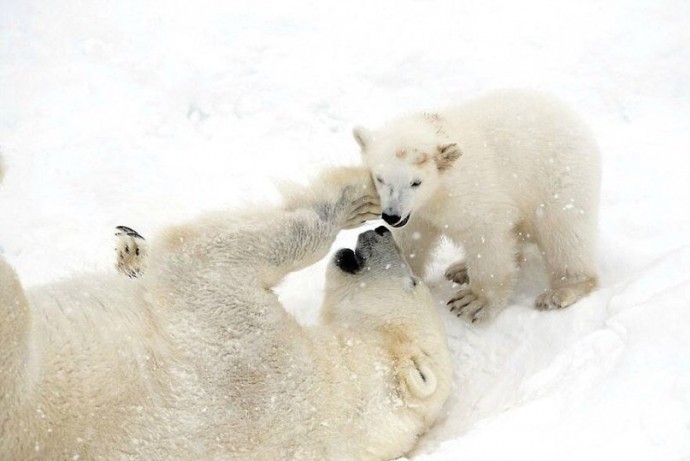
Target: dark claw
{"x": 453, "y": 305}
{"x": 465, "y": 304}
{"x": 128, "y": 231}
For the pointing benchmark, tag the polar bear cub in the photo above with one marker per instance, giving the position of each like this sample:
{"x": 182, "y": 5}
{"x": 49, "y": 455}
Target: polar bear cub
{"x": 197, "y": 359}
{"x": 506, "y": 168}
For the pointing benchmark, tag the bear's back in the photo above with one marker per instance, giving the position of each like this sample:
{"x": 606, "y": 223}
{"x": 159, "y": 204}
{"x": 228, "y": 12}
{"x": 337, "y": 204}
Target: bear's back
{"x": 523, "y": 143}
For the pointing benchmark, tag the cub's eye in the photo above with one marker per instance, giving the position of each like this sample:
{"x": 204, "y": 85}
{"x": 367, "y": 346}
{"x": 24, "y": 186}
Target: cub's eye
{"x": 379, "y": 179}
{"x": 416, "y": 183}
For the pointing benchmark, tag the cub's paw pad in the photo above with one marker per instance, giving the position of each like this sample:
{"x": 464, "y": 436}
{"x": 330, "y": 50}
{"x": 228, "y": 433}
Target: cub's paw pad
{"x": 556, "y": 299}
{"x": 131, "y": 249}
{"x": 468, "y": 306}
{"x": 457, "y": 273}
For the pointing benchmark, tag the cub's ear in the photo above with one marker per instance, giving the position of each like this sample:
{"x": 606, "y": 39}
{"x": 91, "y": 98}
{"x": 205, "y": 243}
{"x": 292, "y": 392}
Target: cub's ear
{"x": 445, "y": 156}
{"x": 362, "y": 136}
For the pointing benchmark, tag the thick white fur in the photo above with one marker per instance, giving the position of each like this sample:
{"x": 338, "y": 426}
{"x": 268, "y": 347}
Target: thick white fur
{"x": 197, "y": 359}
{"x": 509, "y": 167}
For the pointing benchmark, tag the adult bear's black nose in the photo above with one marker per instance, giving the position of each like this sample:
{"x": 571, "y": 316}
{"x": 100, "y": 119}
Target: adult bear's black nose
{"x": 347, "y": 261}
{"x": 390, "y": 218}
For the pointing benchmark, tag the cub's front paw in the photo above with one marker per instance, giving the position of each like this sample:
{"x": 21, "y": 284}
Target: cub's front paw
{"x": 470, "y": 306}
{"x": 131, "y": 251}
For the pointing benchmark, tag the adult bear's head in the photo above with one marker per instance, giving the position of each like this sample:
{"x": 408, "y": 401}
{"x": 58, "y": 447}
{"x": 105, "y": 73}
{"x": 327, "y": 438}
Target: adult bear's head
{"x": 372, "y": 291}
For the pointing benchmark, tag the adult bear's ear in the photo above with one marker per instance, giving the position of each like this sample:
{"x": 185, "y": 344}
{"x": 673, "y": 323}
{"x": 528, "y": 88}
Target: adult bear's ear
{"x": 445, "y": 155}
{"x": 410, "y": 282}
{"x": 419, "y": 377}
{"x": 362, "y": 136}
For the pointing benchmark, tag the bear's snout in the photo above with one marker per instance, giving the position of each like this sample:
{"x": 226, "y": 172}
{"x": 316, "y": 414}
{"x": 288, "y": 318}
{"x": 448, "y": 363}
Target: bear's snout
{"x": 367, "y": 240}
{"x": 374, "y": 248}
{"x": 378, "y": 245}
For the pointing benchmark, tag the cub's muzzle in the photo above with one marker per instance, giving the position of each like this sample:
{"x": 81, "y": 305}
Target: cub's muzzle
{"x": 395, "y": 220}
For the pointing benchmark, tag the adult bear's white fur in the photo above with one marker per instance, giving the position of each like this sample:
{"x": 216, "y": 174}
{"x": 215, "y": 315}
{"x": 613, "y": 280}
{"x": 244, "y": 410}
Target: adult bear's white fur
{"x": 505, "y": 168}
{"x": 198, "y": 359}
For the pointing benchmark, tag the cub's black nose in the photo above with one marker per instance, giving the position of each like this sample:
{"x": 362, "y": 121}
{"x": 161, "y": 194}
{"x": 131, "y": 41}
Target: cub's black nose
{"x": 382, "y": 230}
{"x": 390, "y": 218}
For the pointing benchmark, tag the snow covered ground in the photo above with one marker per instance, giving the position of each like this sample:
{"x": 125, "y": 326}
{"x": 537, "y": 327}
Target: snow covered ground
{"x": 148, "y": 112}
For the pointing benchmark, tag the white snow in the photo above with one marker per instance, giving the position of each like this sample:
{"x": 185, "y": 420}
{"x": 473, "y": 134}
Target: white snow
{"x": 144, "y": 113}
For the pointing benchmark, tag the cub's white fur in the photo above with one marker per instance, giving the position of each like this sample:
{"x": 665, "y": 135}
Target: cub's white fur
{"x": 506, "y": 168}
{"x": 197, "y": 359}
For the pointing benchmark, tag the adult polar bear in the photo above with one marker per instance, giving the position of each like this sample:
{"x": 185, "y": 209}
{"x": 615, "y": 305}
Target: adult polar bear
{"x": 198, "y": 359}
{"x": 509, "y": 167}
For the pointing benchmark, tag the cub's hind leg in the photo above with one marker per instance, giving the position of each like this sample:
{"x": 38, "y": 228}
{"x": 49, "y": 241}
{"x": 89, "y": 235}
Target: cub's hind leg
{"x": 567, "y": 239}
{"x": 131, "y": 251}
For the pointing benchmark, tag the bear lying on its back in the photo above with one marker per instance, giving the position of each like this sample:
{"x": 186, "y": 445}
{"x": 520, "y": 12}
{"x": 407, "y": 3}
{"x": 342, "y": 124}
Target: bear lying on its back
{"x": 197, "y": 359}
{"x": 507, "y": 168}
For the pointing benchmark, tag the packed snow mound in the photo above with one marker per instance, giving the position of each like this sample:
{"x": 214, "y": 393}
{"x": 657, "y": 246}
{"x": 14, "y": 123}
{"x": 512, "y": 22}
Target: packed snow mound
{"x": 605, "y": 379}
{"x": 148, "y": 113}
